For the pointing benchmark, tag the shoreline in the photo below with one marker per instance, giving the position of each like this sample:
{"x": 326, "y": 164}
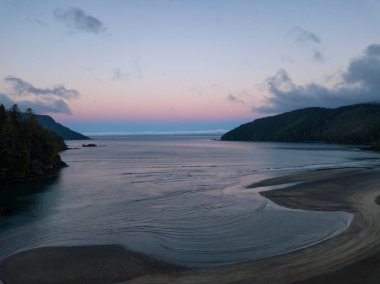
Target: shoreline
{"x": 47, "y": 174}
{"x": 354, "y": 190}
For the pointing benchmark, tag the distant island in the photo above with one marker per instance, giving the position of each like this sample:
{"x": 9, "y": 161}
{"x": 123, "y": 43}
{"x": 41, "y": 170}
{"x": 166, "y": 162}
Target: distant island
{"x": 89, "y": 145}
{"x": 27, "y": 150}
{"x": 353, "y": 124}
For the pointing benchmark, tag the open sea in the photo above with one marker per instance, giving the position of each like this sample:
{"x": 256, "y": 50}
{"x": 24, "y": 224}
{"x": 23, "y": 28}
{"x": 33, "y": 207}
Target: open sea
{"x": 179, "y": 198}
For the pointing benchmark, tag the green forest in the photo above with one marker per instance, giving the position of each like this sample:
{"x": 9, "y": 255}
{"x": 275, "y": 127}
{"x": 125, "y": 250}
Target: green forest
{"x": 27, "y": 149}
{"x": 354, "y": 124}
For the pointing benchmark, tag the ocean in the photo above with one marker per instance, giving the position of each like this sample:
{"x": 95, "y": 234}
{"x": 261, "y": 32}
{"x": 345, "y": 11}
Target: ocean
{"x": 179, "y": 198}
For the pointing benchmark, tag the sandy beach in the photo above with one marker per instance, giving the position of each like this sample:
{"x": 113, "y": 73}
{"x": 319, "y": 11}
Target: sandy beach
{"x": 351, "y": 257}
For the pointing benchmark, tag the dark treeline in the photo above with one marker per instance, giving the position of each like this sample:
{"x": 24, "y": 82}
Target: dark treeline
{"x": 355, "y": 124}
{"x": 26, "y": 149}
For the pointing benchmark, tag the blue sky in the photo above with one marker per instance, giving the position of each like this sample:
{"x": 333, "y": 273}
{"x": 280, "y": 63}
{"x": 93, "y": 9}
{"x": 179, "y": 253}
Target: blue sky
{"x": 185, "y": 65}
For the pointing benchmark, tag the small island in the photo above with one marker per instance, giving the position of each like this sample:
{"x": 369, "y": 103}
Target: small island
{"x": 27, "y": 150}
{"x": 89, "y": 145}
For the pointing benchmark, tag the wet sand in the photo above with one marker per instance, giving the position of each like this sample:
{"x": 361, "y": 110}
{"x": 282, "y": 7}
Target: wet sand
{"x": 351, "y": 257}
{"x": 81, "y": 264}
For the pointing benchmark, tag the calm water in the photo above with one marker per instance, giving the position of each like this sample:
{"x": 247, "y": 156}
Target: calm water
{"x": 178, "y": 198}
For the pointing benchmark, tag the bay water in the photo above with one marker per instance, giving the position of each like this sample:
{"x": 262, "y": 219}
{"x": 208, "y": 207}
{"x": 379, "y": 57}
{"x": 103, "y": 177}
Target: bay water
{"x": 179, "y": 198}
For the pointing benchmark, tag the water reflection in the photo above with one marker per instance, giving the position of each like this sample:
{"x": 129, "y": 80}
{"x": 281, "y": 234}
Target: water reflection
{"x": 28, "y": 201}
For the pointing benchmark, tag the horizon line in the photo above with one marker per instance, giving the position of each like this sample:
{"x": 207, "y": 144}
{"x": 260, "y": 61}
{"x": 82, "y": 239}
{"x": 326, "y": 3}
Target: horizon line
{"x": 177, "y": 132}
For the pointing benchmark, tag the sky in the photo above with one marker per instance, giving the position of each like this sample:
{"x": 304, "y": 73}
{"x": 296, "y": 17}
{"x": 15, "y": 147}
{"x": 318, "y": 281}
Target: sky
{"x": 175, "y": 65}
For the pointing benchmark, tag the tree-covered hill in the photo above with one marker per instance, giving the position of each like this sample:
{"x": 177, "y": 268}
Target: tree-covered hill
{"x": 354, "y": 124}
{"x": 66, "y": 133}
{"x": 27, "y": 149}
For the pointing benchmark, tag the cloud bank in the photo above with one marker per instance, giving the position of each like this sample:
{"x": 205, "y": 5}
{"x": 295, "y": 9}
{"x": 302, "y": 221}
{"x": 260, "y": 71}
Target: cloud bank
{"x": 359, "y": 83}
{"x": 41, "y": 100}
{"x": 56, "y": 106}
{"x": 76, "y": 18}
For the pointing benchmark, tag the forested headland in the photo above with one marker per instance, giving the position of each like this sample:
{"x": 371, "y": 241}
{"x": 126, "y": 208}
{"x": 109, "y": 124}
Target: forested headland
{"x": 66, "y": 133}
{"x": 27, "y": 150}
{"x": 354, "y": 124}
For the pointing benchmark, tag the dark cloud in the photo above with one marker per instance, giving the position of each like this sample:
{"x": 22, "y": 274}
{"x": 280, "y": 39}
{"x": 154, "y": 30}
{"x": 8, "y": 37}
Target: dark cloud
{"x": 21, "y": 88}
{"x": 76, "y": 18}
{"x": 40, "y": 99}
{"x": 373, "y": 50}
{"x": 303, "y": 36}
{"x": 359, "y": 83}
{"x": 234, "y": 99}
{"x": 365, "y": 70}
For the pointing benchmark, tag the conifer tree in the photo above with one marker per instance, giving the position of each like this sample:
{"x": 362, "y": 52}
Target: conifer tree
{"x": 26, "y": 149}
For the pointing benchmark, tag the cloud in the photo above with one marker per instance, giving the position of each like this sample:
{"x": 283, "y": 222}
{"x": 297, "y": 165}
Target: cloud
{"x": 119, "y": 75}
{"x": 373, "y": 50}
{"x": 234, "y": 99}
{"x": 198, "y": 91}
{"x": 365, "y": 70}
{"x": 21, "y": 88}
{"x": 40, "y": 99}
{"x": 131, "y": 70}
{"x": 76, "y": 18}
{"x": 41, "y": 23}
{"x": 359, "y": 83}
{"x": 318, "y": 56}
{"x": 55, "y": 106}
{"x": 135, "y": 69}
{"x": 303, "y": 36}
